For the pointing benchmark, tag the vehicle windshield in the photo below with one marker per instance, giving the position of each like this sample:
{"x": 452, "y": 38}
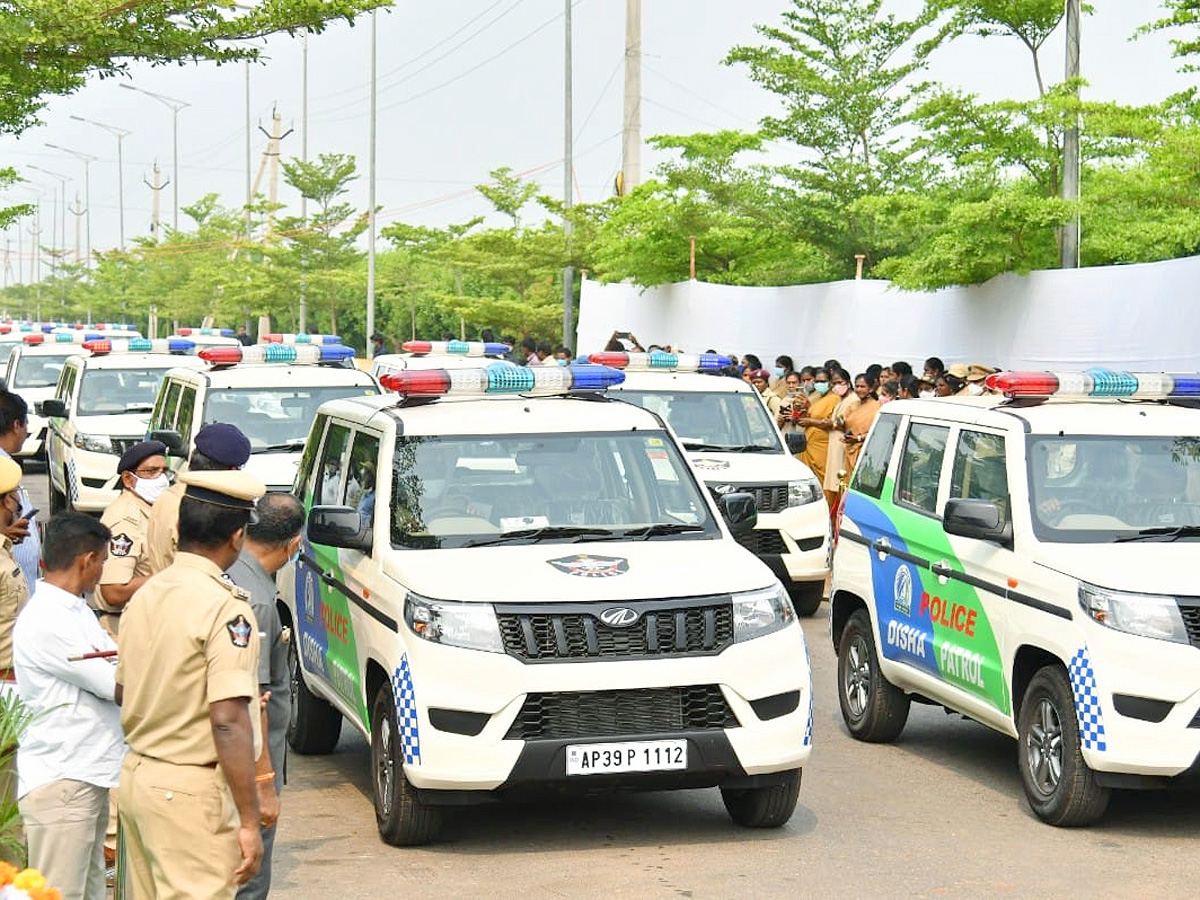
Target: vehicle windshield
{"x": 38, "y": 370}
{"x": 6, "y": 349}
{"x": 108, "y": 392}
{"x": 717, "y": 420}
{"x": 275, "y": 418}
{"x": 1098, "y": 489}
{"x": 565, "y": 488}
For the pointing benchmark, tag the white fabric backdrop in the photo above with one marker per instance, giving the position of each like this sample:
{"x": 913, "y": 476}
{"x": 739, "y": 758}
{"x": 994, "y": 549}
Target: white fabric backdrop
{"x": 1142, "y": 317}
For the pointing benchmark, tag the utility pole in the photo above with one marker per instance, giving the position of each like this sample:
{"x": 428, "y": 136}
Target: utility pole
{"x": 303, "y": 324}
{"x": 271, "y": 157}
{"x": 175, "y": 106}
{"x": 78, "y": 210}
{"x": 7, "y": 260}
{"x": 371, "y": 199}
{"x": 568, "y": 331}
{"x": 249, "y": 192}
{"x": 156, "y": 187}
{"x": 86, "y": 159}
{"x": 631, "y": 132}
{"x": 1071, "y": 163}
{"x": 120, "y": 134}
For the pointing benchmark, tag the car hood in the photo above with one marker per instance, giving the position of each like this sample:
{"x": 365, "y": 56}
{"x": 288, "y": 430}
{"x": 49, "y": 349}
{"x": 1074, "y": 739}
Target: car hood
{"x": 747, "y": 468}
{"x": 1154, "y": 566}
{"x": 599, "y": 571}
{"x": 276, "y": 469}
{"x": 118, "y": 425}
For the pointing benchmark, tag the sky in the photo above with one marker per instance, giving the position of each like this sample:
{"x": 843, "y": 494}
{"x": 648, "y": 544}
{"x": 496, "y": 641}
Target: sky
{"x": 467, "y": 86}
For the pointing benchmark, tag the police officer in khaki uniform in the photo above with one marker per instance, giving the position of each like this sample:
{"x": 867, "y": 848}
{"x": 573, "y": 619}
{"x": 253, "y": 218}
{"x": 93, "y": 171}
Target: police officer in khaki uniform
{"x": 143, "y": 473}
{"x": 187, "y": 680}
{"x": 218, "y": 447}
{"x": 14, "y": 592}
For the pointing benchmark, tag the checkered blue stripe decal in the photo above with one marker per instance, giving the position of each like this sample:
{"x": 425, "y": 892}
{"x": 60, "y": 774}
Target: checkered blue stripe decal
{"x": 406, "y": 712}
{"x": 72, "y": 481}
{"x": 808, "y": 729}
{"x": 1087, "y": 701}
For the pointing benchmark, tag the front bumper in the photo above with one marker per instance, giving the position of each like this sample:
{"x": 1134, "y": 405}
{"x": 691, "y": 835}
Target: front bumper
{"x": 498, "y": 687}
{"x": 96, "y": 481}
{"x": 800, "y": 553}
{"x": 35, "y": 441}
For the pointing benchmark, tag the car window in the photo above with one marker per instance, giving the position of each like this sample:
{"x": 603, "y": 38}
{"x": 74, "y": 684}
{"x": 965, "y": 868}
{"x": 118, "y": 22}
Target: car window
{"x": 187, "y": 407}
{"x": 164, "y": 415}
{"x": 979, "y": 469}
{"x": 37, "y": 371}
{"x": 307, "y": 459}
{"x": 329, "y": 475}
{"x": 712, "y": 420}
{"x": 275, "y": 418}
{"x": 117, "y": 391}
{"x": 870, "y": 473}
{"x": 65, "y": 382}
{"x": 360, "y": 474}
{"x": 921, "y": 466}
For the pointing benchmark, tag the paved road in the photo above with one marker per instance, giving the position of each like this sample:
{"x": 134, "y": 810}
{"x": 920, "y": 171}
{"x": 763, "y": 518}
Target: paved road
{"x": 938, "y": 814}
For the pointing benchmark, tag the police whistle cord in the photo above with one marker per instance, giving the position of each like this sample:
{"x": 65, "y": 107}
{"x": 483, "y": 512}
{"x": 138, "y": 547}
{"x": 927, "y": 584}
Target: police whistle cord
{"x": 99, "y": 654}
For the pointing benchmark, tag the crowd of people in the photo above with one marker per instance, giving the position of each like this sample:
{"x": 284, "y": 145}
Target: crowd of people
{"x": 180, "y": 735}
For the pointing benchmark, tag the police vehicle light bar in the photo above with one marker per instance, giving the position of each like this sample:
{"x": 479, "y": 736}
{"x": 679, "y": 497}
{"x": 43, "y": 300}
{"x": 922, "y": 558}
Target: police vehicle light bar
{"x": 276, "y": 353}
{"x": 456, "y": 348}
{"x": 104, "y": 346}
{"x": 1096, "y": 383}
{"x": 205, "y": 332}
{"x": 61, "y": 337}
{"x": 275, "y": 338}
{"x": 501, "y": 378}
{"x": 659, "y": 360}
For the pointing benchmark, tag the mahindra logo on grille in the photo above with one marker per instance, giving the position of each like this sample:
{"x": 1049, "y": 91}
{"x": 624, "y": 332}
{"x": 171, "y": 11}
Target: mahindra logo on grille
{"x": 619, "y": 616}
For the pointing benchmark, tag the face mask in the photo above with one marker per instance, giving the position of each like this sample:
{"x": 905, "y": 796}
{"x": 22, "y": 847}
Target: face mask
{"x": 150, "y": 489}
{"x": 806, "y": 386}
{"x": 974, "y": 388}
{"x": 777, "y": 372}
{"x": 840, "y": 389}
{"x": 821, "y": 387}
{"x": 884, "y": 398}
{"x": 927, "y": 394}
{"x": 562, "y": 362}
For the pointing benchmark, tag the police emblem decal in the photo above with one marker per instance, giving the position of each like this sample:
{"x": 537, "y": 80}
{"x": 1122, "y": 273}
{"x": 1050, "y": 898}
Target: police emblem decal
{"x": 239, "y": 631}
{"x": 902, "y": 590}
{"x": 120, "y": 545}
{"x": 586, "y": 565}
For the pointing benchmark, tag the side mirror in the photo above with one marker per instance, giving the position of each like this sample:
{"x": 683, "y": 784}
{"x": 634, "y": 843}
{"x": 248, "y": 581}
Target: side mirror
{"x": 51, "y": 409}
{"x": 797, "y": 442}
{"x": 979, "y": 519}
{"x": 339, "y": 526}
{"x": 740, "y": 511}
{"x": 173, "y": 440}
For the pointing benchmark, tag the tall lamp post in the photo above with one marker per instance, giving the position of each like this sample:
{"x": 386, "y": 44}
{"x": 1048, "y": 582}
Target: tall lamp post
{"x": 175, "y": 106}
{"x": 120, "y": 134}
{"x": 60, "y": 220}
{"x": 85, "y": 158}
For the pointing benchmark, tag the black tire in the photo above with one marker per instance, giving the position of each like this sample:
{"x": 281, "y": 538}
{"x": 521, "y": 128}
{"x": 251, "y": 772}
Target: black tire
{"x": 403, "y": 819}
{"x": 58, "y": 499}
{"x": 873, "y": 708}
{"x": 1061, "y": 789}
{"x": 764, "y": 807}
{"x": 806, "y": 596}
{"x": 314, "y": 725}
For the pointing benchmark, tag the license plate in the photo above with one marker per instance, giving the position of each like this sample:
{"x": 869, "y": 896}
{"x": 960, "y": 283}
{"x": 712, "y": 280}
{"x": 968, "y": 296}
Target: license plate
{"x": 626, "y": 756}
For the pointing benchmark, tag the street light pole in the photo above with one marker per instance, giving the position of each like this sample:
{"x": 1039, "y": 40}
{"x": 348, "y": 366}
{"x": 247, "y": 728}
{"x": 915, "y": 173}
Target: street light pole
{"x": 59, "y": 221}
{"x": 85, "y": 158}
{"x": 371, "y": 202}
{"x": 120, "y": 134}
{"x": 175, "y": 106}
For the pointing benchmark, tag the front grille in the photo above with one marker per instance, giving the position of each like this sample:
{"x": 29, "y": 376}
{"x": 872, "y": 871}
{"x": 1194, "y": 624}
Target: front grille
{"x": 770, "y": 498}
{"x": 121, "y": 444}
{"x": 588, "y": 714}
{"x": 1190, "y": 609}
{"x": 763, "y": 542}
{"x": 694, "y": 627}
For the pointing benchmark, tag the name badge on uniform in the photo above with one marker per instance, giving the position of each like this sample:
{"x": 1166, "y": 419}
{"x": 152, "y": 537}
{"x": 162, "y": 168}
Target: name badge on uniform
{"x": 239, "y": 631}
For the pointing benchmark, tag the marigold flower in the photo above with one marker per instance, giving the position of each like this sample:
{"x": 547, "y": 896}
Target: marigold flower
{"x": 29, "y": 880}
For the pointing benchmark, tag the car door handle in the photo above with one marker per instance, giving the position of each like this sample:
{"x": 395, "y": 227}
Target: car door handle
{"x": 881, "y": 545}
{"x": 941, "y": 569}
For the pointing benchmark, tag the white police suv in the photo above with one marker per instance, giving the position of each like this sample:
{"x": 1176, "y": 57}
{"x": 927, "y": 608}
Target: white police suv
{"x": 733, "y": 442}
{"x": 1031, "y": 563}
{"x": 270, "y": 391}
{"x": 532, "y": 590}
{"x": 436, "y": 355}
{"x": 100, "y": 408}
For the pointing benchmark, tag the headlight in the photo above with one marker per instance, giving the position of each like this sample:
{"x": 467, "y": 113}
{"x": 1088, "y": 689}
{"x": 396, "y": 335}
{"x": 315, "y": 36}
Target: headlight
{"x": 803, "y": 492}
{"x": 470, "y": 625}
{"x": 97, "y": 443}
{"x": 756, "y": 613}
{"x": 1148, "y": 615}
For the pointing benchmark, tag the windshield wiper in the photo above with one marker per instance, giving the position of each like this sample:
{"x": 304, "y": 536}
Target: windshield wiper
{"x": 534, "y": 535}
{"x": 661, "y": 528}
{"x": 1168, "y": 532}
{"x": 139, "y": 407}
{"x": 711, "y": 448}
{"x": 293, "y": 444}
{"x": 757, "y": 448}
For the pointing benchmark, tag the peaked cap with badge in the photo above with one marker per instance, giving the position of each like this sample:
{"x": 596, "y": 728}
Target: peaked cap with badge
{"x": 139, "y": 453}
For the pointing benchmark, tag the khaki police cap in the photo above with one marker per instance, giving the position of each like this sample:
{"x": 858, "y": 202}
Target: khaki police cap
{"x": 233, "y": 488}
{"x": 10, "y": 475}
{"x": 959, "y": 371}
{"x": 978, "y": 371}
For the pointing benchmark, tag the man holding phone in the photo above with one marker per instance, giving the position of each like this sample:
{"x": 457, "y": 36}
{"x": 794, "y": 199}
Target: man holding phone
{"x": 23, "y": 532}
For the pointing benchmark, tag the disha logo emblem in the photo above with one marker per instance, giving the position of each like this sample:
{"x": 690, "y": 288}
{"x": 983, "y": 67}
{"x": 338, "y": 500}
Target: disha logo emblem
{"x": 902, "y": 590}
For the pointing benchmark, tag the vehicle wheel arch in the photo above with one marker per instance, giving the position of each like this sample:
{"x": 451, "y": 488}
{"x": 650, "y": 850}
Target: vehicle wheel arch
{"x": 842, "y": 605}
{"x": 1027, "y": 660}
{"x": 374, "y": 677}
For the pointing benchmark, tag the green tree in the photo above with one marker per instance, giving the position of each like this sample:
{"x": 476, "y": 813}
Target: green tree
{"x": 1181, "y": 14}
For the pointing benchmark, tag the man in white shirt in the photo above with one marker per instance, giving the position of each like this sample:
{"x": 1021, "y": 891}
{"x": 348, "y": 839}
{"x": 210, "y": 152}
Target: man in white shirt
{"x": 71, "y": 754}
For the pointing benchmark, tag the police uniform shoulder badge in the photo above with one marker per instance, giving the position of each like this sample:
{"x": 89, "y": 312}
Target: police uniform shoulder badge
{"x": 239, "y": 631}
{"x": 120, "y": 545}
